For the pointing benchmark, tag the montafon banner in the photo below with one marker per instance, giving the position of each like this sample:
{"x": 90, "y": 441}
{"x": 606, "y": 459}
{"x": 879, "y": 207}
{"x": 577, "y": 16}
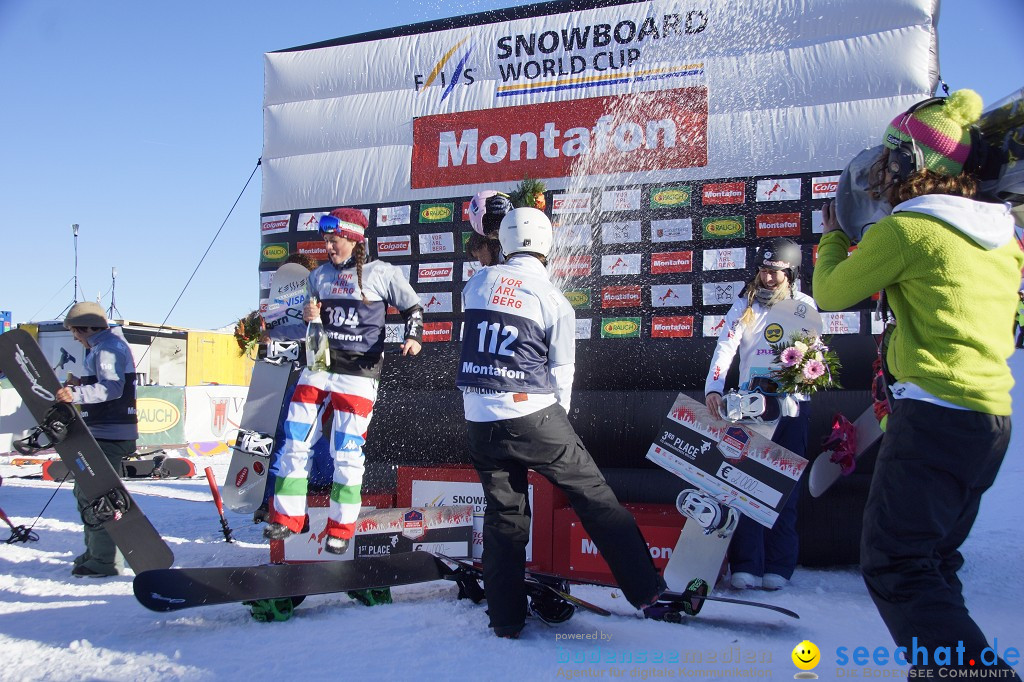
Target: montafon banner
{"x": 593, "y": 94}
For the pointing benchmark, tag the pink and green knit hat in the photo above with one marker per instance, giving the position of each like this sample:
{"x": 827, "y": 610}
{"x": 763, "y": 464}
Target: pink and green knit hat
{"x": 941, "y": 131}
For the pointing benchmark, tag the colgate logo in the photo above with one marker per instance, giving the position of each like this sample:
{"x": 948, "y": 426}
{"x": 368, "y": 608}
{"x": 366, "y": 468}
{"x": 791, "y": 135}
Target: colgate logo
{"x": 384, "y": 247}
{"x": 436, "y": 272}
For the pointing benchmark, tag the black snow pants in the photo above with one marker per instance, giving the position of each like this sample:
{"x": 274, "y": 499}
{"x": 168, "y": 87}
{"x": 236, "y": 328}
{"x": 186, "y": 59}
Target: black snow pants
{"x": 503, "y": 452}
{"x": 933, "y": 467}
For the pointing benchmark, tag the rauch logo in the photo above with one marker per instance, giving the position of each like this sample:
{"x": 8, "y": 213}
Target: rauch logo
{"x": 437, "y": 213}
{"x": 579, "y": 298}
{"x": 156, "y": 415}
{"x": 274, "y": 252}
{"x": 731, "y": 226}
{"x": 663, "y": 198}
{"x": 620, "y": 327}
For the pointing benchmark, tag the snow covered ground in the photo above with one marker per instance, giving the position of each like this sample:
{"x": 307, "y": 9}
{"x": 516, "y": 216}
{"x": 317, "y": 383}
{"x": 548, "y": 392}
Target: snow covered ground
{"x": 55, "y": 627}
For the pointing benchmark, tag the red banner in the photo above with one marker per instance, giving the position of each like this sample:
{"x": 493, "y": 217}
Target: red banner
{"x": 659, "y": 130}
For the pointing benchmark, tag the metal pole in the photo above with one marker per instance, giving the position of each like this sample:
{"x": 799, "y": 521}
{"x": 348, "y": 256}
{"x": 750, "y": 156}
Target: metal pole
{"x": 74, "y": 293}
{"x": 112, "y": 310}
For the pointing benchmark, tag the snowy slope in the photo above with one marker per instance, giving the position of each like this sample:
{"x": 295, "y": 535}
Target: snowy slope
{"x": 54, "y": 627}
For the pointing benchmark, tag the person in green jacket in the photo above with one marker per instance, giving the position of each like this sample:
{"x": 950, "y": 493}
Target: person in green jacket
{"x": 950, "y": 270}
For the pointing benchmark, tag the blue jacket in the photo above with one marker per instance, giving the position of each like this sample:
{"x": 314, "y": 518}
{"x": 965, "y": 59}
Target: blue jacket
{"x": 107, "y": 393}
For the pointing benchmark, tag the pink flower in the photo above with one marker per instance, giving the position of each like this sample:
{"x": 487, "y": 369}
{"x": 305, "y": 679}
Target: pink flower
{"x": 791, "y": 356}
{"x": 813, "y": 370}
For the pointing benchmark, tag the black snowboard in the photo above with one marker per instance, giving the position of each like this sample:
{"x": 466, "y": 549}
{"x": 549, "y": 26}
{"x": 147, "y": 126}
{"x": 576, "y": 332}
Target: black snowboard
{"x": 26, "y": 367}
{"x": 542, "y": 587}
{"x": 143, "y": 467}
{"x": 182, "y": 588}
{"x": 549, "y": 597}
{"x": 690, "y": 601}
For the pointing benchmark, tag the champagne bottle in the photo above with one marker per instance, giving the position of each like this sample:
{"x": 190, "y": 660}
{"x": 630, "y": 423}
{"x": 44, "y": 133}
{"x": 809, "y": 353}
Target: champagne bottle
{"x": 318, "y": 355}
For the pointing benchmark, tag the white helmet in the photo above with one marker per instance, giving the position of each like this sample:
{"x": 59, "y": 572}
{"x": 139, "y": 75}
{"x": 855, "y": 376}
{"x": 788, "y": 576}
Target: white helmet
{"x": 525, "y": 230}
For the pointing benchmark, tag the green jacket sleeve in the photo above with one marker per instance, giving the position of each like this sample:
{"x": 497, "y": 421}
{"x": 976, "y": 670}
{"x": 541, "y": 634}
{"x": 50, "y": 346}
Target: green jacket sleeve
{"x": 840, "y": 281}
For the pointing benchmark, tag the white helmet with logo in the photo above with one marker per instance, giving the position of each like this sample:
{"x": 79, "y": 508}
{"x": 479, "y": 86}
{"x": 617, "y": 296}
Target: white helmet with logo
{"x": 525, "y": 230}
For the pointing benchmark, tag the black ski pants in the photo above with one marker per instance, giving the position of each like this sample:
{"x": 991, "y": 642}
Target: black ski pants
{"x": 100, "y": 550}
{"x": 933, "y": 467}
{"x": 503, "y": 452}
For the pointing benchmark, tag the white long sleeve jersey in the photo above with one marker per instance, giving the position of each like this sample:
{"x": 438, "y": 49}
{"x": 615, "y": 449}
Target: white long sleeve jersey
{"x": 745, "y": 339}
{"x": 519, "y": 342}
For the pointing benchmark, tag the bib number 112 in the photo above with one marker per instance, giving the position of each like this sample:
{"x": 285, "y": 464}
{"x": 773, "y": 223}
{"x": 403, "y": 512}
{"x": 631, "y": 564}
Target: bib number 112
{"x": 491, "y": 334}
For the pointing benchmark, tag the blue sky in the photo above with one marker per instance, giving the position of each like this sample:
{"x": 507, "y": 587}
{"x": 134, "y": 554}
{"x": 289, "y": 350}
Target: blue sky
{"x": 142, "y": 121}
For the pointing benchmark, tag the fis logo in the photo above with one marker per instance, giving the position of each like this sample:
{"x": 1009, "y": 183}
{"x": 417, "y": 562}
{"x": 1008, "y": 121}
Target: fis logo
{"x": 449, "y": 71}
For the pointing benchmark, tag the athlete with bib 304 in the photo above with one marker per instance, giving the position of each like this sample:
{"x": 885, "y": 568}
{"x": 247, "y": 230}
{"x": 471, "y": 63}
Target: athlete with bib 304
{"x": 516, "y": 373}
{"x": 352, "y": 297}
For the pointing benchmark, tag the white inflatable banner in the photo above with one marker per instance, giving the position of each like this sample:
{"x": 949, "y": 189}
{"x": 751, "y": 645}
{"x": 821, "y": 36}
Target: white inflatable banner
{"x": 639, "y": 92}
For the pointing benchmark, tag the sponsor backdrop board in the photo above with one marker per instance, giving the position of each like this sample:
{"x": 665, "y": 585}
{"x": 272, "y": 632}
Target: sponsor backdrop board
{"x": 671, "y": 146}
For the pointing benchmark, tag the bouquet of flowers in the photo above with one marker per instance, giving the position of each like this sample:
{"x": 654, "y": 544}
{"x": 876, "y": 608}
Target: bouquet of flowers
{"x": 804, "y": 364}
{"x": 247, "y": 333}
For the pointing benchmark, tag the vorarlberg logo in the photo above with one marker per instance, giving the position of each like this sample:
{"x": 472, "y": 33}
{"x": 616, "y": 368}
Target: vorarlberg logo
{"x": 449, "y": 71}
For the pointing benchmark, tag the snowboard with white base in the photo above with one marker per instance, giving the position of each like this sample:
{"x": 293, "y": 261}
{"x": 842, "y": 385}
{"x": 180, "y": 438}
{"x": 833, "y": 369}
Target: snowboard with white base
{"x": 734, "y": 469}
{"x": 271, "y": 375}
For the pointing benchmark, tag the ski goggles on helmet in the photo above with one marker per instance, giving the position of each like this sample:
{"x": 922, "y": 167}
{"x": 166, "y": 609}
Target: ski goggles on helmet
{"x": 330, "y": 224}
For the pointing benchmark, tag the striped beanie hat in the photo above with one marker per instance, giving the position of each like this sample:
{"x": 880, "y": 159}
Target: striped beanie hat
{"x": 352, "y": 223}
{"x": 941, "y": 131}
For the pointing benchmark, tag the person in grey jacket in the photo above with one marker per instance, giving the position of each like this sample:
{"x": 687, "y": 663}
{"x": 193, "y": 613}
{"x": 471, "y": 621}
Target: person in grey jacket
{"x": 107, "y": 395}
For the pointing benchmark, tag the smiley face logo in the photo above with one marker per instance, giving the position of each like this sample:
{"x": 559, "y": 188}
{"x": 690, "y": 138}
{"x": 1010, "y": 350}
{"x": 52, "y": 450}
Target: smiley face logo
{"x": 773, "y": 333}
{"x": 806, "y": 655}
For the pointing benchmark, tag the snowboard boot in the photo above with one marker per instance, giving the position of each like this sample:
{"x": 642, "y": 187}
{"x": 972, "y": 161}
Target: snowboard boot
{"x": 262, "y": 513}
{"x": 773, "y": 582}
{"x": 277, "y": 531}
{"x": 92, "y": 569}
{"x": 745, "y": 581}
{"x": 336, "y": 545}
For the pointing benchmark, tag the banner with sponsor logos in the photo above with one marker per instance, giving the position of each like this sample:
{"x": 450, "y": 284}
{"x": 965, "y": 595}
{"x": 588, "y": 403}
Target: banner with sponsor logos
{"x": 657, "y": 90}
{"x": 673, "y": 139}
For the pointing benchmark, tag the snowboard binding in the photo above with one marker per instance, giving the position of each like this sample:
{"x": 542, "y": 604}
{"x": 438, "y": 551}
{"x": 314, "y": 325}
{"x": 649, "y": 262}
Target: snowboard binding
{"x": 547, "y": 607}
{"x": 55, "y": 426}
{"x": 282, "y": 351}
{"x": 842, "y": 441}
{"x": 707, "y": 512}
{"x": 108, "y": 507}
{"x": 255, "y": 443}
{"x": 271, "y": 610}
{"x": 371, "y": 597}
{"x": 758, "y": 401}
{"x": 689, "y": 603}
